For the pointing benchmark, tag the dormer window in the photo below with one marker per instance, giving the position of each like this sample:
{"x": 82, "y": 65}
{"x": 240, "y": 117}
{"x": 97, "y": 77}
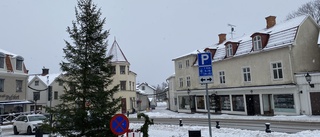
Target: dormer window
{"x": 257, "y": 43}
{"x": 19, "y": 62}
{"x": 2, "y": 57}
{"x": 229, "y": 50}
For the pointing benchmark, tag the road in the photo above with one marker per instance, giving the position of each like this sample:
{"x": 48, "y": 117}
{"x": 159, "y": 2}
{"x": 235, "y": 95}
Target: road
{"x": 277, "y": 126}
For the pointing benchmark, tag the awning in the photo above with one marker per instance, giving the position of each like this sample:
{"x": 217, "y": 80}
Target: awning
{"x": 15, "y": 102}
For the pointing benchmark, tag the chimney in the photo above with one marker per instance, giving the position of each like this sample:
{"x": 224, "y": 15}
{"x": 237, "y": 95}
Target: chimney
{"x": 222, "y": 37}
{"x": 271, "y": 21}
{"x": 45, "y": 71}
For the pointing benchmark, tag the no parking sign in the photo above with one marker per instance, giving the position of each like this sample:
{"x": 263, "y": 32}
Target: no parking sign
{"x": 119, "y": 124}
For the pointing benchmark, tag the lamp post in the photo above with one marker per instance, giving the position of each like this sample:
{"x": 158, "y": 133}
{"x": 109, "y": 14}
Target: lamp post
{"x": 308, "y": 79}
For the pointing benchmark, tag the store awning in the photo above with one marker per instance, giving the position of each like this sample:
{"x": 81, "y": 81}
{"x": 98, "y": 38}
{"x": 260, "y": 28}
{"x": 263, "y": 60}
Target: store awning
{"x": 15, "y": 102}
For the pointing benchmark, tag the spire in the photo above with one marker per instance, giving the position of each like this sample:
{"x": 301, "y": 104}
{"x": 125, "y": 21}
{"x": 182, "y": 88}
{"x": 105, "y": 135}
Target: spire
{"x": 117, "y": 53}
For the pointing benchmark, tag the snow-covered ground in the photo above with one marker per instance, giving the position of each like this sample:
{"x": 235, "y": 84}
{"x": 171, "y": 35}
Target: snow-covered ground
{"x": 177, "y": 131}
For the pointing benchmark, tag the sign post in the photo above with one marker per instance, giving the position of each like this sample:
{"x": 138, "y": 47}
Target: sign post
{"x": 205, "y": 77}
{"x": 119, "y": 124}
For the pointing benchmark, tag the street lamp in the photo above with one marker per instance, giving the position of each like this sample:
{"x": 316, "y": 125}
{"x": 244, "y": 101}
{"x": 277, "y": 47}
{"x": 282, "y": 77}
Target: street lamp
{"x": 308, "y": 79}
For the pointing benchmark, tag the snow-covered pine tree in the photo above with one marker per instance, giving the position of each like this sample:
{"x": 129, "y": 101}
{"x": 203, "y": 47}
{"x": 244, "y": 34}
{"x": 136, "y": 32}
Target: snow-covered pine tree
{"x": 87, "y": 104}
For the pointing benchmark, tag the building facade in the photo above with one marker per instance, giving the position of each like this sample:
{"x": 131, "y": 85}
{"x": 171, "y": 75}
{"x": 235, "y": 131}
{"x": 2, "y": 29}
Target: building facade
{"x": 13, "y": 83}
{"x": 123, "y": 77}
{"x": 150, "y": 91}
{"x": 256, "y": 74}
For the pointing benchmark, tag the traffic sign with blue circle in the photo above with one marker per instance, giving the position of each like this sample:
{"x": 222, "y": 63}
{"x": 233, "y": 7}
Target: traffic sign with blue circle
{"x": 119, "y": 124}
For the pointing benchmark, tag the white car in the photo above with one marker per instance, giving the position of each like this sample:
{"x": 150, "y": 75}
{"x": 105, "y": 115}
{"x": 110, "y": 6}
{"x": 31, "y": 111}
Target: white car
{"x": 27, "y": 123}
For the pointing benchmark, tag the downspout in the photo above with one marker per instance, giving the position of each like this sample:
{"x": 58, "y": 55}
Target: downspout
{"x": 169, "y": 99}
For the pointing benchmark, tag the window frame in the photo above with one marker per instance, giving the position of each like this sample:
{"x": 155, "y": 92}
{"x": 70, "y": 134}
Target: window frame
{"x": 180, "y": 82}
{"x": 1, "y": 85}
{"x": 122, "y": 69}
{"x": 277, "y": 72}
{"x": 229, "y": 50}
{"x": 2, "y": 60}
{"x": 36, "y": 83}
{"x": 180, "y": 65}
{"x": 19, "y": 84}
{"x": 19, "y": 63}
{"x": 246, "y": 73}
{"x": 187, "y": 63}
{"x": 222, "y": 77}
{"x": 55, "y": 95}
{"x": 257, "y": 43}
{"x": 188, "y": 81}
{"x": 123, "y": 85}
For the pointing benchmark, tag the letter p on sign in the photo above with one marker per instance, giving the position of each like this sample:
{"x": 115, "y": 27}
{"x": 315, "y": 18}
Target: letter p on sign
{"x": 204, "y": 59}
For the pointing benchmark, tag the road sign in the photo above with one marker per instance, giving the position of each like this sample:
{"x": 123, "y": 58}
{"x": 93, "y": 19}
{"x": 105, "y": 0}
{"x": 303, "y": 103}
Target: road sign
{"x": 205, "y": 68}
{"x": 119, "y": 124}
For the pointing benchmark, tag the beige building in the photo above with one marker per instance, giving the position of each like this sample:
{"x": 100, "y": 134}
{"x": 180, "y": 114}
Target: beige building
{"x": 13, "y": 83}
{"x": 255, "y": 74}
{"x": 124, "y": 77}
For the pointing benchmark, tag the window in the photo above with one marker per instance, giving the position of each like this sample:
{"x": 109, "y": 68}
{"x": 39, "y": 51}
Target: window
{"x": 184, "y": 102}
{"x": 19, "y": 85}
{"x": 133, "y": 86}
{"x": 129, "y": 85}
{"x": 187, "y": 63}
{"x": 113, "y": 69}
{"x": 180, "y": 82}
{"x": 36, "y": 96}
{"x": 277, "y": 70}
{"x": 200, "y": 102}
{"x": 225, "y": 102}
{"x": 1, "y": 85}
{"x": 36, "y": 83}
{"x": 222, "y": 77}
{"x": 19, "y": 61}
{"x": 122, "y": 69}
{"x": 2, "y": 56}
{"x": 55, "y": 95}
{"x": 123, "y": 85}
{"x": 237, "y": 103}
{"x": 143, "y": 87}
{"x": 284, "y": 103}
{"x": 180, "y": 65}
{"x": 246, "y": 74}
{"x": 229, "y": 50}
{"x": 188, "y": 82}
{"x": 257, "y": 43}
{"x": 60, "y": 83}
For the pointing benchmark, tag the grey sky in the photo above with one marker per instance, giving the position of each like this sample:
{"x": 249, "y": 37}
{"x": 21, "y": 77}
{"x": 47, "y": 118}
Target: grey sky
{"x": 150, "y": 32}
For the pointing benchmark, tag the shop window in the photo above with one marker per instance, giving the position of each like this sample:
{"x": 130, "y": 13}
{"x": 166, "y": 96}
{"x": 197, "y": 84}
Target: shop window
{"x": 200, "y": 102}
{"x": 225, "y": 102}
{"x": 237, "y": 103}
{"x": 284, "y": 103}
{"x": 184, "y": 102}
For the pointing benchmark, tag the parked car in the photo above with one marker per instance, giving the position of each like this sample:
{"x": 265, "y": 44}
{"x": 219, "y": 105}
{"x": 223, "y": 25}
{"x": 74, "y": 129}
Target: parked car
{"x": 27, "y": 123}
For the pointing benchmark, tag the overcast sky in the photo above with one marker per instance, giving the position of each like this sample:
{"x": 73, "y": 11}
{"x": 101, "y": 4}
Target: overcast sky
{"x": 150, "y": 32}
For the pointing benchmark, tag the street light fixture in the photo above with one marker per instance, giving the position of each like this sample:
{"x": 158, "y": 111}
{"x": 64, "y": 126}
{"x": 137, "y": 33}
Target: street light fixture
{"x": 308, "y": 79}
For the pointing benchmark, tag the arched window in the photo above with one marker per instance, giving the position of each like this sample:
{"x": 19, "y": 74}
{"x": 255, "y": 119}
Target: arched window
{"x": 2, "y": 57}
{"x": 229, "y": 50}
{"x": 19, "y": 62}
{"x": 257, "y": 43}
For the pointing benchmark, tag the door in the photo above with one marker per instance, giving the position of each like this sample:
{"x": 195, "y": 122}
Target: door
{"x": 253, "y": 105}
{"x": 267, "y": 107}
{"x": 124, "y": 105}
{"x": 315, "y": 101}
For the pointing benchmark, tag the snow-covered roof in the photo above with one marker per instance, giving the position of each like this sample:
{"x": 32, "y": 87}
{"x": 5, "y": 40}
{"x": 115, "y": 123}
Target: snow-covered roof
{"x": 118, "y": 55}
{"x": 47, "y": 79}
{"x": 191, "y": 53}
{"x": 8, "y": 53}
{"x": 146, "y": 84}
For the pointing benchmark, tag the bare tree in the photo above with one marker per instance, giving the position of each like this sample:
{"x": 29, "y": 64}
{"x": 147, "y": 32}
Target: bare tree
{"x": 311, "y": 8}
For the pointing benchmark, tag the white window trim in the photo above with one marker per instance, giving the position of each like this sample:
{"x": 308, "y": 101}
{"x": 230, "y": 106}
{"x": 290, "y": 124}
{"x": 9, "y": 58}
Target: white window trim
{"x": 229, "y": 50}
{"x": 271, "y": 68}
{"x": 187, "y": 63}
{"x": 180, "y": 65}
{"x": 187, "y": 81}
{"x": 179, "y": 81}
{"x": 243, "y": 74}
{"x": 224, "y": 74}
{"x": 257, "y": 43}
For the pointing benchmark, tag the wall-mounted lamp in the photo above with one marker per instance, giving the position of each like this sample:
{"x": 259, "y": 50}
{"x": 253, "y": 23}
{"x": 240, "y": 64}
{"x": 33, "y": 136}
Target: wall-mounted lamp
{"x": 188, "y": 91}
{"x": 251, "y": 91}
{"x": 308, "y": 79}
{"x": 301, "y": 92}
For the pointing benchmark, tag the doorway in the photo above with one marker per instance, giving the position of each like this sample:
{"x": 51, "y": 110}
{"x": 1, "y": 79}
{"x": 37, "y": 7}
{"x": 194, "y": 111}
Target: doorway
{"x": 123, "y": 106}
{"x": 315, "y": 101}
{"x": 253, "y": 105}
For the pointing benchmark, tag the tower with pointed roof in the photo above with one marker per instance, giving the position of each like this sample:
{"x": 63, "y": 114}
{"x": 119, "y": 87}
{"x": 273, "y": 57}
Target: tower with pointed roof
{"x": 124, "y": 77}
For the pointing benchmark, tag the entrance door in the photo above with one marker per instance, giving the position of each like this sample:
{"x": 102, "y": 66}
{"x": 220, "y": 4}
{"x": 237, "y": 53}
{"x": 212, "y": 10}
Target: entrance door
{"x": 124, "y": 105}
{"x": 315, "y": 101}
{"x": 267, "y": 108}
{"x": 253, "y": 104}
